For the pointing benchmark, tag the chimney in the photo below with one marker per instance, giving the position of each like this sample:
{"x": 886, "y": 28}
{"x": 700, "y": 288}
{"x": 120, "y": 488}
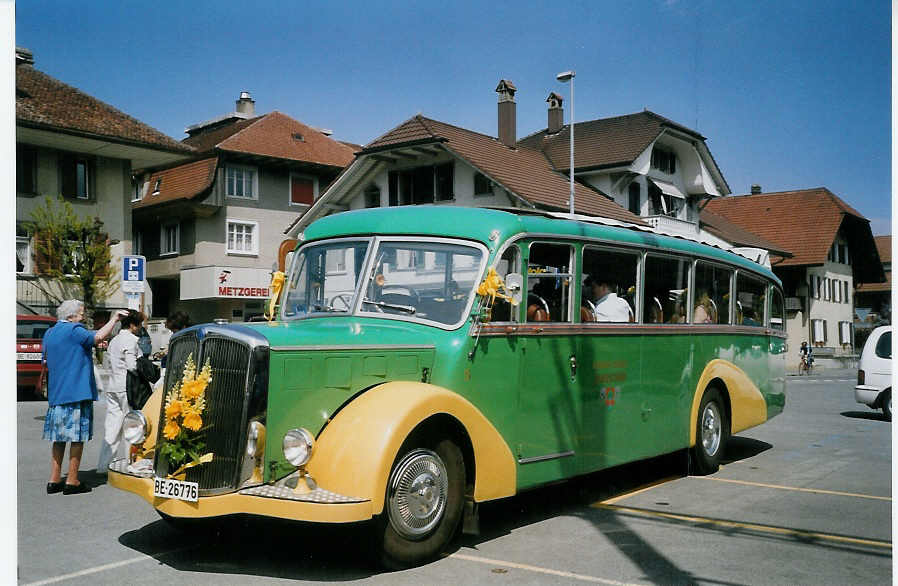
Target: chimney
{"x": 507, "y": 116}
{"x": 556, "y": 113}
{"x": 246, "y": 104}
{"x": 755, "y": 189}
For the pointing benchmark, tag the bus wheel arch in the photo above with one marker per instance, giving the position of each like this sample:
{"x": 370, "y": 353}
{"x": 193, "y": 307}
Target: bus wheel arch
{"x": 424, "y": 497}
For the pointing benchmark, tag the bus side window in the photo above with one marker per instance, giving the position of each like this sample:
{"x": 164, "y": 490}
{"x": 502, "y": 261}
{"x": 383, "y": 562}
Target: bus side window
{"x": 711, "y": 301}
{"x": 750, "y": 300}
{"x": 665, "y": 291}
{"x": 549, "y": 281}
{"x": 608, "y": 292}
{"x": 777, "y": 309}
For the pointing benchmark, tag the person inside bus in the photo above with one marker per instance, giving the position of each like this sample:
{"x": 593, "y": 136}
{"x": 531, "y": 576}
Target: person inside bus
{"x": 538, "y": 300}
{"x": 654, "y": 310}
{"x": 704, "y": 312}
{"x": 608, "y": 306}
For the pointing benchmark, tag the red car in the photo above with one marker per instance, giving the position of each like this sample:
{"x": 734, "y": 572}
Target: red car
{"x": 31, "y": 375}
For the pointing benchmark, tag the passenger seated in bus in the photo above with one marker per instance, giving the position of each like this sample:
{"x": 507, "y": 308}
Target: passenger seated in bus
{"x": 607, "y": 306}
{"x": 537, "y": 304}
{"x": 654, "y": 311}
{"x": 705, "y": 311}
{"x": 678, "y": 314}
{"x": 748, "y": 317}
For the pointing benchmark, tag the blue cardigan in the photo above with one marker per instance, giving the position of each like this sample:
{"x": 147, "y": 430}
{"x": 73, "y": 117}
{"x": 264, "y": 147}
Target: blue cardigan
{"x": 67, "y": 347}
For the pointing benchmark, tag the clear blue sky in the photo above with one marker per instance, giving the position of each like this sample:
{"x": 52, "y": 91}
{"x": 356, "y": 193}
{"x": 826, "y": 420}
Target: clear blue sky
{"x": 790, "y": 95}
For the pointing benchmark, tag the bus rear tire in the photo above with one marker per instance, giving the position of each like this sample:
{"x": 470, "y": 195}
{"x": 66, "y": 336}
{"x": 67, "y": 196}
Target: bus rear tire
{"x": 711, "y": 433}
{"x": 423, "y": 506}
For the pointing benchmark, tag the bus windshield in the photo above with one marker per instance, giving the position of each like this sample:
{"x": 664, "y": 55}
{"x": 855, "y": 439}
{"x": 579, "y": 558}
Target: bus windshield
{"x": 324, "y": 278}
{"x": 430, "y": 281}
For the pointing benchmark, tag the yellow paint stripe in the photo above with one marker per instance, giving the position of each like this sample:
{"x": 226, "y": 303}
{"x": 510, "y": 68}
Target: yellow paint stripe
{"x": 537, "y": 569}
{"x": 751, "y": 526}
{"x": 636, "y": 491}
{"x": 798, "y": 489}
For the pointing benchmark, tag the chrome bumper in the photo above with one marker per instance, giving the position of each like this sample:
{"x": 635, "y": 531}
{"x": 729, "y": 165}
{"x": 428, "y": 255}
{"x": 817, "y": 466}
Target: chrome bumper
{"x": 289, "y": 498}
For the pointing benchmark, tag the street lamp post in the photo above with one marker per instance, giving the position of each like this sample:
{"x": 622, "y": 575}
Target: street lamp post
{"x": 562, "y": 77}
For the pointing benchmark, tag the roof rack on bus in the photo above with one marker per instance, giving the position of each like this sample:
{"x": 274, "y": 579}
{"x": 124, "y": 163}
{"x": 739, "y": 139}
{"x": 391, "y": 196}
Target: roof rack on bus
{"x": 751, "y": 254}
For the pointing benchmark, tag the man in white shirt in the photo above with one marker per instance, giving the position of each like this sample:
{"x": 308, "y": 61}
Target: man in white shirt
{"x": 123, "y": 353}
{"x": 608, "y": 306}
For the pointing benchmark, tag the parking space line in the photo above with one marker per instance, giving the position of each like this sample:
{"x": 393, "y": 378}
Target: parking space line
{"x": 537, "y": 569}
{"x": 796, "y": 488}
{"x": 750, "y": 526}
{"x": 104, "y": 567}
{"x": 636, "y": 491}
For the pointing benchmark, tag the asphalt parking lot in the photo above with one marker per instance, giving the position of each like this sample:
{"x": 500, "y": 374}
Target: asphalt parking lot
{"x": 802, "y": 499}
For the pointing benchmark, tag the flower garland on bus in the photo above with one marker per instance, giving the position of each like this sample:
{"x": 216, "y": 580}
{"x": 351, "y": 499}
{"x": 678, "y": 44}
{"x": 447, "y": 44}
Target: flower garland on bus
{"x": 183, "y": 429}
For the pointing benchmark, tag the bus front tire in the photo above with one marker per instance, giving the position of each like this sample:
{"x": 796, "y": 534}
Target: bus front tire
{"x": 711, "y": 433}
{"x": 423, "y": 506}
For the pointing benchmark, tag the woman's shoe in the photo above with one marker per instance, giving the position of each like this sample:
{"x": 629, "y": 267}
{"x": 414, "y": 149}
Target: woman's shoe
{"x": 54, "y": 487}
{"x": 75, "y": 488}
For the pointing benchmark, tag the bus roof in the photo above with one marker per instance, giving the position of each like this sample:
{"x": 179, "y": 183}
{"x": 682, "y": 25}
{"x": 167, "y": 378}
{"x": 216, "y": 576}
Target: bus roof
{"x": 480, "y": 223}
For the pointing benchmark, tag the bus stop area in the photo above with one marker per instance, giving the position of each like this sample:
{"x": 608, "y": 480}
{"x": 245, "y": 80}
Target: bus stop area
{"x": 804, "y": 498}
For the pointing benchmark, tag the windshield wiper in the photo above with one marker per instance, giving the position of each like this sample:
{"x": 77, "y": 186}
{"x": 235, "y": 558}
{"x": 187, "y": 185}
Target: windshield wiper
{"x": 406, "y": 308}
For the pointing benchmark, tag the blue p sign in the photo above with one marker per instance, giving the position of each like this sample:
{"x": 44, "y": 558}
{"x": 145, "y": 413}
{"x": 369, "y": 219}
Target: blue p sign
{"x": 133, "y": 273}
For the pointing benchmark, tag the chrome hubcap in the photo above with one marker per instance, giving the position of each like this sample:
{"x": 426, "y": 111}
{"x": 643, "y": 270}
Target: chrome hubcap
{"x": 418, "y": 492}
{"x": 711, "y": 429}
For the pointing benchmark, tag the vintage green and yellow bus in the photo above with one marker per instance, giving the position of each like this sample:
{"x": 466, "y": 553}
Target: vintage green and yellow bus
{"x": 425, "y": 359}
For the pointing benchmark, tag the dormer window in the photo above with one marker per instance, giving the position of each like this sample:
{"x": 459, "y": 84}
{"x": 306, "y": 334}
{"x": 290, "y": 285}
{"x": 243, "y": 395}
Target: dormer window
{"x": 664, "y": 160}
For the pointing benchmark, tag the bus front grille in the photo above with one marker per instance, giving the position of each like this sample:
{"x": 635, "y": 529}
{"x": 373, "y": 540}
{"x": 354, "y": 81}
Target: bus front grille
{"x": 224, "y": 416}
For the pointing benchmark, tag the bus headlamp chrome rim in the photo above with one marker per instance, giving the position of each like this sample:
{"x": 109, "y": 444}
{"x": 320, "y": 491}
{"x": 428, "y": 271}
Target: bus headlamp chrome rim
{"x": 255, "y": 439}
{"x": 134, "y": 427}
{"x": 298, "y": 446}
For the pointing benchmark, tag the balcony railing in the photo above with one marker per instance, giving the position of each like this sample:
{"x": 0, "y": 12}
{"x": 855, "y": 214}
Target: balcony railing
{"x": 669, "y": 225}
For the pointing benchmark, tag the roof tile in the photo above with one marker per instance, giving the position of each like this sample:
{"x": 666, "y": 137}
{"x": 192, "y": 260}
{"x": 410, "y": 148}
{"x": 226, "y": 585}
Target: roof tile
{"x": 44, "y": 100}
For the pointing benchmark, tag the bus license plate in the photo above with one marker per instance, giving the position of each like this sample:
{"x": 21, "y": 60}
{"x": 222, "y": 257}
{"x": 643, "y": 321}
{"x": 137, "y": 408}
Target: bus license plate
{"x": 28, "y": 355}
{"x": 175, "y": 489}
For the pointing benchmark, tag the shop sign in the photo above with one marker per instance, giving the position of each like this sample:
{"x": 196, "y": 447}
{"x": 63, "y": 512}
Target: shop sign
{"x": 217, "y": 282}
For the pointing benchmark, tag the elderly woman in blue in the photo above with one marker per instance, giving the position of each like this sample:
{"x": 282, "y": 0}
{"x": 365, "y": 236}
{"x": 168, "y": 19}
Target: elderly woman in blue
{"x": 71, "y": 391}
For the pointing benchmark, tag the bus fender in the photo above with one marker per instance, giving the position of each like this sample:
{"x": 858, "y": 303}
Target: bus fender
{"x": 355, "y": 451}
{"x": 747, "y": 405}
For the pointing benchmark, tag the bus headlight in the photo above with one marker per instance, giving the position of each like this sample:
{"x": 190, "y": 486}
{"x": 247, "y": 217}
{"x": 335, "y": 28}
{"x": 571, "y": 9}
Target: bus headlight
{"x": 298, "y": 446}
{"x": 255, "y": 439}
{"x": 134, "y": 427}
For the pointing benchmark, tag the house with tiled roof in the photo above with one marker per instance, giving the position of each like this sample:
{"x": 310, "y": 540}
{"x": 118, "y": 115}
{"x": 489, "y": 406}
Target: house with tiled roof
{"x": 873, "y": 301}
{"x": 641, "y": 169}
{"x": 71, "y": 144}
{"x": 210, "y": 228}
{"x": 833, "y": 253}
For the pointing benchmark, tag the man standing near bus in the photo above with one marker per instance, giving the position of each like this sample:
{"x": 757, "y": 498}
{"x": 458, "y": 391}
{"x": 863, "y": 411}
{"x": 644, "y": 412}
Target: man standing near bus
{"x": 608, "y": 306}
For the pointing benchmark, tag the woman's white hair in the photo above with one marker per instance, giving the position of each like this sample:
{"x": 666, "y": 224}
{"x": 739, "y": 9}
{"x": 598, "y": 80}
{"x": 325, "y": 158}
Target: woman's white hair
{"x": 68, "y": 308}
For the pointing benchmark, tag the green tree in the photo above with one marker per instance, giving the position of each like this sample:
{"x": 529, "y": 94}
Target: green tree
{"x": 72, "y": 254}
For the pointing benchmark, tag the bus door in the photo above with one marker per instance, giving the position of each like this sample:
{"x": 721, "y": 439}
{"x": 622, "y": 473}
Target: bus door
{"x": 672, "y": 357}
{"x": 610, "y": 357}
{"x": 549, "y": 412}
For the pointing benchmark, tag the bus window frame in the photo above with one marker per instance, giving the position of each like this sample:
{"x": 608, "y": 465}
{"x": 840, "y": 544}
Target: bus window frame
{"x": 692, "y": 289}
{"x": 765, "y": 282}
{"x": 573, "y": 270}
{"x": 690, "y": 261}
{"x": 639, "y": 253}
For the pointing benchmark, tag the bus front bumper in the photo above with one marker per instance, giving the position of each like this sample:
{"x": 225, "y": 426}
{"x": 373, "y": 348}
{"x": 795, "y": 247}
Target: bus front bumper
{"x": 267, "y": 500}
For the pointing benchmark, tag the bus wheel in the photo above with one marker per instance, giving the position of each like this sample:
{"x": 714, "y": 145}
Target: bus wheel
{"x": 711, "y": 433}
{"x": 424, "y": 500}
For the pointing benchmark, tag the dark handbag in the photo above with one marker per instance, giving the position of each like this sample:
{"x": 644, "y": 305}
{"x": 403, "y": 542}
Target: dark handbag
{"x": 138, "y": 385}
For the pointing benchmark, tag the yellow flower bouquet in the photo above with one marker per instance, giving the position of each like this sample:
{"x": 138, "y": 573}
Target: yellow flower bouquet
{"x": 184, "y": 405}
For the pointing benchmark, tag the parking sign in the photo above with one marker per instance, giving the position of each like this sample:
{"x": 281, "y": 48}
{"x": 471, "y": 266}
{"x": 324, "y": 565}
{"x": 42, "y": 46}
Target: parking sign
{"x": 133, "y": 273}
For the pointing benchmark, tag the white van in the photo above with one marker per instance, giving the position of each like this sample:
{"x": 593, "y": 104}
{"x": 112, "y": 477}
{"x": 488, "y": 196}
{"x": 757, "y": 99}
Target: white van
{"x": 874, "y": 375}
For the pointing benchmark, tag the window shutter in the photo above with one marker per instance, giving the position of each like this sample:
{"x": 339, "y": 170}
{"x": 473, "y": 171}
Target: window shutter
{"x": 302, "y": 191}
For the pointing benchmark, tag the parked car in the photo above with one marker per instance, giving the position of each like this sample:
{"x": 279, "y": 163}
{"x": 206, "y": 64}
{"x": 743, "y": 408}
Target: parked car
{"x": 31, "y": 375}
{"x": 874, "y": 375}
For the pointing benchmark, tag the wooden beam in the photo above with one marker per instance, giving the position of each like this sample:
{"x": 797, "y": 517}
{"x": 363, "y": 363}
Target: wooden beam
{"x": 426, "y": 151}
{"x": 405, "y": 155}
{"x": 384, "y": 158}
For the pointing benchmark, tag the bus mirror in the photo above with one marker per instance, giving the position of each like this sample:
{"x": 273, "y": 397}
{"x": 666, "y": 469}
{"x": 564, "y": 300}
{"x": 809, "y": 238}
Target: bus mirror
{"x": 514, "y": 283}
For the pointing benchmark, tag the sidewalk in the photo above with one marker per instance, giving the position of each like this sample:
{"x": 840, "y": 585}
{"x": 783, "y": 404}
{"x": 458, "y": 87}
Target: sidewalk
{"x": 828, "y": 372}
